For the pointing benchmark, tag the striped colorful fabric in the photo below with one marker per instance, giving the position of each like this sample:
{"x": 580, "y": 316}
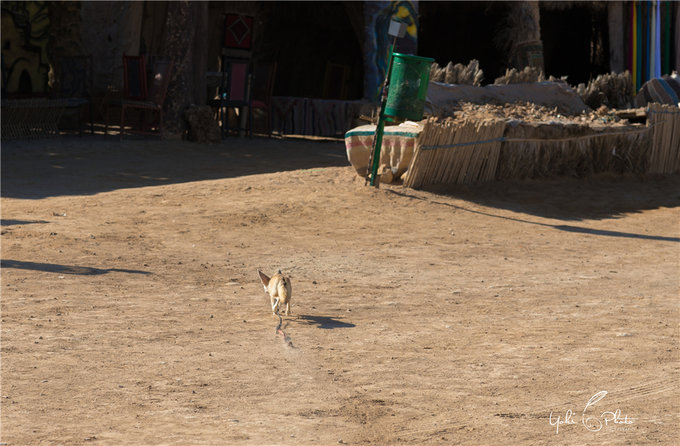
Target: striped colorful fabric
{"x": 664, "y": 90}
{"x": 651, "y": 51}
{"x": 674, "y": 83}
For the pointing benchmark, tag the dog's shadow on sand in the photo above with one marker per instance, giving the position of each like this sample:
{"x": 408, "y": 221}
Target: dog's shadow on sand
{"x": 324, "y": 322}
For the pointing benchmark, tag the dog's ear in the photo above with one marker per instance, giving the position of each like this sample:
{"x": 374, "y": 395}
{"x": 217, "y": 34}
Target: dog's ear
{"x": 264, "y": 278}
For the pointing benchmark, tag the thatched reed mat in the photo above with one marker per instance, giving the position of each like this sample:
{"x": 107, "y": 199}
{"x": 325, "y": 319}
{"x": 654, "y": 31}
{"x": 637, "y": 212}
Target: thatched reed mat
{"x": 665, "y": 123}
{"x": 451, "y": 153}
{"x": 545, "y": 150}
{"x": 474, "y": 151}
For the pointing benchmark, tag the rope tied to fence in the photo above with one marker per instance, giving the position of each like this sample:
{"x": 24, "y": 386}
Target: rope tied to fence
{"x": 504, "y": 139}
{"x": 665, "y": 112}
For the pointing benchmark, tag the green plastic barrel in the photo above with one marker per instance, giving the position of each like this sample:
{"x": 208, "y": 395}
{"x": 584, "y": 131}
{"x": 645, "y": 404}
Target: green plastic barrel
{"x": 408, "y": 86}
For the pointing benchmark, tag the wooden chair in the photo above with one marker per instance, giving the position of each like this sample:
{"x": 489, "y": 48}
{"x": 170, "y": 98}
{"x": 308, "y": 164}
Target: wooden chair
{"x": 161, "y": 73}
{"x": 234, "y": 94}
{"x": 134, "y": 86}
{"x": 264, "y": 75}
{"x": 134, "y": 78}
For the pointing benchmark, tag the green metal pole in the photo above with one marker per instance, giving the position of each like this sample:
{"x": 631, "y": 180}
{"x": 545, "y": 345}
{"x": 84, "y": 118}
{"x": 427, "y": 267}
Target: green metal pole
{"x": 380, "y": 127}
{"x": 379, "y": 130}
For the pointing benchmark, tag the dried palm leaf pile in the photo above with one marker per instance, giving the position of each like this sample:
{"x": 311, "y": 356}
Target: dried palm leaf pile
{"x": 469, "y": 74}
{"x": 487, "y": 142}
{"x": 615, "y": 90}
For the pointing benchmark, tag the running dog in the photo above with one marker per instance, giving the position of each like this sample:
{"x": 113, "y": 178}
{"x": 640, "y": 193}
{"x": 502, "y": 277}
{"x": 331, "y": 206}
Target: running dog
{"x": 279, "y": 290}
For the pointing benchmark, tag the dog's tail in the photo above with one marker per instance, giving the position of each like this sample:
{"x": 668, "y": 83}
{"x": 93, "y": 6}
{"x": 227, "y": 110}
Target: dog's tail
{"x": 284, "y": 289}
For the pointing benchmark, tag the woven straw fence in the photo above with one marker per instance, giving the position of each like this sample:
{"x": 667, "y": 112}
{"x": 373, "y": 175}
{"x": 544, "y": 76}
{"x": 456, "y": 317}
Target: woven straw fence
{"x": 622, "y": 151}
{"x": 449, "y": 152}
{"x": 664, "y": 121}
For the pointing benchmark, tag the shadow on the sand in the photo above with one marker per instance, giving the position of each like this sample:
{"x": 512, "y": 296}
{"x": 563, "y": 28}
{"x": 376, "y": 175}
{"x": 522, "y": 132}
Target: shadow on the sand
{"x": 96, "y": 163}
{"x": 324, "y": 322}
{"x": 64, "y": 269}
{"x": 565, "y": 199}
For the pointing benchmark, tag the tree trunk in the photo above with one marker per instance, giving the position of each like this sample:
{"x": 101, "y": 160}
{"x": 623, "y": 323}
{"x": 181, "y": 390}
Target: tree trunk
{"x": 521, "y": 35}
{"x": 184, "y": 22}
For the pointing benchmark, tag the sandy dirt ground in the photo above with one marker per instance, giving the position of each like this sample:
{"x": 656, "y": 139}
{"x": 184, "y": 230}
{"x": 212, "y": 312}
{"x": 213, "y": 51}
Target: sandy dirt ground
{"x": 132, "y": 313}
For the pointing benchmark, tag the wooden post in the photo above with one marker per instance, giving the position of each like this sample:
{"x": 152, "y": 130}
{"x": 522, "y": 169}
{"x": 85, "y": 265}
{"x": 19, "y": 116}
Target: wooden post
{"x": 616, "y": 49}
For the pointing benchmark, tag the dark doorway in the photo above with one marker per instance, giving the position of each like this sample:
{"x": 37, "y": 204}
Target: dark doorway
{"x": 317, "y": 49}
{"x": 461, "y": 31}
{"x": 575, "y": 41}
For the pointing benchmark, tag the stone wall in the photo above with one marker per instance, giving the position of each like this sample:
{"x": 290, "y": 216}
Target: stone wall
{"x": 109, "y": 30}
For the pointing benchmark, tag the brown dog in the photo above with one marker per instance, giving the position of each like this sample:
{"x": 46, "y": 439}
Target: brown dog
{"x": 279, "y": 290}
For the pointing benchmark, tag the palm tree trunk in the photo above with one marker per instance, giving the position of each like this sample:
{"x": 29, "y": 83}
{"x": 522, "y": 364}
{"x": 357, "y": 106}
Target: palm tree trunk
{"x": 185, "y": 23}
{"x": 521, "y": 35}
